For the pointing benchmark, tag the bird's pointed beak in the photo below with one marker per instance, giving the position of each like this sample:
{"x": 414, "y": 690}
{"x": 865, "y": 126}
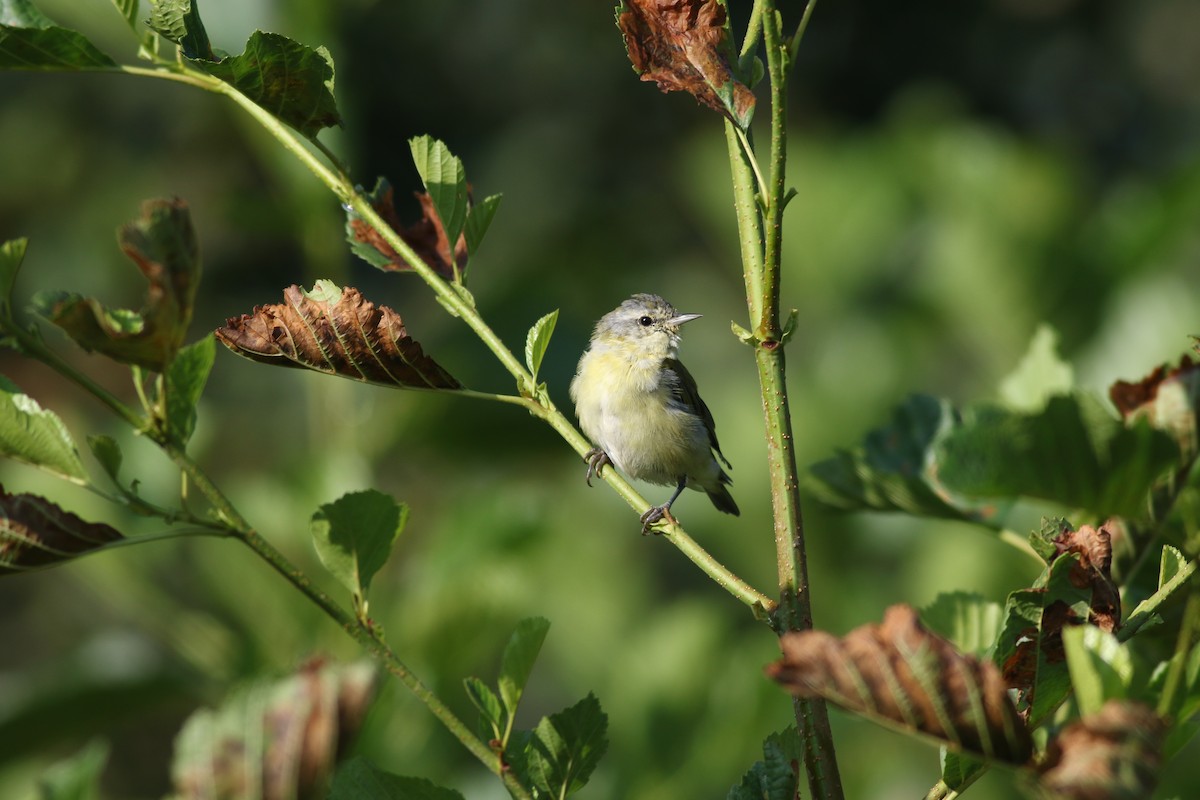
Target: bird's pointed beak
{"x": 682, "y": 318}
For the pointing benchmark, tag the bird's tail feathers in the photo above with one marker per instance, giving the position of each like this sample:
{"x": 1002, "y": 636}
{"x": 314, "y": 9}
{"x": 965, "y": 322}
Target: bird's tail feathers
{"x": 722, "y": 499}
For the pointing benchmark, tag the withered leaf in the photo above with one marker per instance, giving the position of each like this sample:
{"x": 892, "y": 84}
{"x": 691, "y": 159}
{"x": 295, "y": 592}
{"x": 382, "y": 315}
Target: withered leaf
{"x": 1113, "y": 754}
{"x": 162, "y": 243}
{"x": 35, "y": 533}
{"x": 902, "y": 674}
{"x": 683, "y": 46}
{"x": 427, "y": 236}
{"x": 338, "y": 332}
{"x": 286, "y": 736}
{"x": 1094, "y": 546}
{"x": 1168, "y": 397}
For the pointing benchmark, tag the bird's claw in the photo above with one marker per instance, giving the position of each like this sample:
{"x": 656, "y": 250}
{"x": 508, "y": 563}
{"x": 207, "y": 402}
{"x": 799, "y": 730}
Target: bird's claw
{"x": 596, "y": 461}
{"x": 654, "y": 515}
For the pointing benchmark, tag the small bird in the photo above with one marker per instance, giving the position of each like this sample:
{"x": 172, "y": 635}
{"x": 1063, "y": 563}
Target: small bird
{"x": 641, "y": 408}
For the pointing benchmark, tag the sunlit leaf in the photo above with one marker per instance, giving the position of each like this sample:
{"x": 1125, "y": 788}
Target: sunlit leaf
{"x": 684, "y": 46}
{"x": 1072, "y": 452}
{"x": 445, "y": 181}
{"x": 162, "y": 243}
{"x": 179, "y": 21}
{"x": 1171, "y": 562}
{"x": 1168, "y": 398}
{"x": 1101, "y": 667}
{"x": 338, "y": 332}
{"x": 900, "y": 674}
{"x": 359, "y": 779}
{"x": 1040, "y": 375}
{"x": 1113, "y": 754}
{"x": 35, "y": 436}
{"x": 185, "y": 380}
{"x": 519, "y": 655}
{"x": 291, "y": 80}
{"x": 567, "y": 746}
{"x": 354, "y": 536}
{"x": 35, "y": 533}
{"x": 479, "y": 219}
{"x": 274, "y": 738}
{"x": 484, "y": 699}
{"x": 537, "y": 340}
{"x": 777, "y": 776}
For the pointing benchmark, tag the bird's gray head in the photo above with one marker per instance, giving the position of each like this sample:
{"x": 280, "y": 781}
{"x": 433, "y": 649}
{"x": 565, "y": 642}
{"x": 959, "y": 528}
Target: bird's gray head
{"x": 645, "y": 320}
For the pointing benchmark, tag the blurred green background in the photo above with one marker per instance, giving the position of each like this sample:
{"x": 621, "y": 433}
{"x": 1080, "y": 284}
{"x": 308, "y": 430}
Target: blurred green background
{"x": 965, "y": 172}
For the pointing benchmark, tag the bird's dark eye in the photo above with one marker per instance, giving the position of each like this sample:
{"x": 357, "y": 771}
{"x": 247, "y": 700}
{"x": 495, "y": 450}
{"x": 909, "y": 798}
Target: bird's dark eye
{"x": 645, "y": 322}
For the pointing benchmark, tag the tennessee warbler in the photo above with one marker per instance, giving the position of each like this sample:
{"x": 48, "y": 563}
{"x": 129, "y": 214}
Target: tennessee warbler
{"x": 640, "y": 406}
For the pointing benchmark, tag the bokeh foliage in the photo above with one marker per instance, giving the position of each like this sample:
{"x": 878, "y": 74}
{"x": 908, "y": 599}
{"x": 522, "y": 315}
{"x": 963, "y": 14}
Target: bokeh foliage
{"x": 963, "y": 176}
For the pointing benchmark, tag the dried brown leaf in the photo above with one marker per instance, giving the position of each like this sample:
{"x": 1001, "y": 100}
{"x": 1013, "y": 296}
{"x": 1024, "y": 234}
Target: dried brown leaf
{"x": 903, "y": 674}
{"x": 338, "y": 332}
{"x": 1094, "y": 546}
{"x": 1113, "y": 754}
{"x": 427, "y": 236}
{"x": 681, "y": 45}
{"x": 35, "y": 533}
{"x": 1169, "y": 398}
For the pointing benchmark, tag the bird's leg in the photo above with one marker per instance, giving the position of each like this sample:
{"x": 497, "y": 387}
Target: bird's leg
{"x": 596, "y": 460}
{"x": 662, "y": 512}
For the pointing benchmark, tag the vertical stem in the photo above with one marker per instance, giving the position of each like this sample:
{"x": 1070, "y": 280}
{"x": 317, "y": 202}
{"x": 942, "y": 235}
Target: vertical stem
{"x": 761, "y": 236}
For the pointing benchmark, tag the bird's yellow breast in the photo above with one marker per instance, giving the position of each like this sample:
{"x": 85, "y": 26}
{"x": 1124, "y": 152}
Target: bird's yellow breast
{"x": 626, "y": 407}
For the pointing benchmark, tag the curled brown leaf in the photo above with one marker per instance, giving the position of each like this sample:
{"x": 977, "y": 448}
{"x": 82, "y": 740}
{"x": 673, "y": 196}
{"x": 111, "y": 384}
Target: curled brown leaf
{"x": 1113, "y": 754}
{"x": 1169, "y": 398}
{"x": 682, "y": 46}
{"x": 35, "y": 533}
{"x": 426, "y": 236}
{"x": 1094, "y": 546}
{"x": 901, "y": 673}
{"x": 337, "y": 332}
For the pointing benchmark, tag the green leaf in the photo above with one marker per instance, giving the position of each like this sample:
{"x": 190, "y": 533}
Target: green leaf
{"x": 567, "y": 746}
{"x": 1171, "y": 562}
{"x": 537, "y": 340}
{"x": 29, "y": 40}
{"x": 892, "y": 470}
{"x": 185, "y": 380}
{"x": 78, "y": 777}
{"x": 35, "y": 533}
{"x": 129, "y": 10}
{"x": 35, "y": 436}
{"x": 1100, "y": 667}
{"x": 358, "y": 779}
{"x": 108, "y": 453}
{"x": 179, "y": 21}
{"x": 1040, "y": 375}
{"x": 519, "y": 654}
{"x": 966, "y": 619}
{"x": 958, "y": 770}
{"x": 162, "y": 243}
{"x": 776, "y": 777}
{"x": 445, "y": 180}
{"x": 291, "y": 80}
{"x": 479, "y": 219}
{"x": 488, "y": 704}
{"x": 12, "y": 253}
{"x": 1073, "y": 452}
{"x": 354, "y": 537}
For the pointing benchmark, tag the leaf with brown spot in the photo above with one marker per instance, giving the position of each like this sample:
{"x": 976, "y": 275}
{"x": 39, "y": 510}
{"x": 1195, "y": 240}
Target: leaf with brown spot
{"x": 683, "y": 46}
{"x": 35, "y": 533}
{"x": 426, "y": 236}
{"x": 1113, "y": 754}
{"x": 162, "y": 243}
{"x": 1094, "y": 546}
{"x": 901, "y": 674}
{"x": 338, "y": 332}
{"x": 1168, "y": 397}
